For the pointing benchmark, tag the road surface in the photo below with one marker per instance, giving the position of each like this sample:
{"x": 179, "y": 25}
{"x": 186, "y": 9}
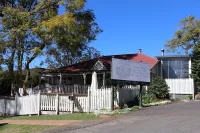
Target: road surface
{"x": 182, "y": 117}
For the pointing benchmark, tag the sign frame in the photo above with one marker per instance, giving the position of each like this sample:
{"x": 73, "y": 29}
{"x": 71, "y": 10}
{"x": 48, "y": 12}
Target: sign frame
{"x": 132, "y": 71}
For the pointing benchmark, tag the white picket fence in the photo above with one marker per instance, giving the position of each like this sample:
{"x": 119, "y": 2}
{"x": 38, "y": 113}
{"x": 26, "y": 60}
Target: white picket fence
{"x": 35, "y": 104}
{"x": 96, "y": 99}
{"x": 7, "y": 106}
{"x": 20, "y": 105}
{"x": 101, "y": 99}
{"x": 27, "y": 105}
{"x": 180, "y": 86}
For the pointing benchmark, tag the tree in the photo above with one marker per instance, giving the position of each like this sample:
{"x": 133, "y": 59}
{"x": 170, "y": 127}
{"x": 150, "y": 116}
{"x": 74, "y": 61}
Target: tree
{"x": 186, "y": 37}
{"x": 31, "y": 28}
{"x": 196, "y": 64}
{"x": 61, "y": 57}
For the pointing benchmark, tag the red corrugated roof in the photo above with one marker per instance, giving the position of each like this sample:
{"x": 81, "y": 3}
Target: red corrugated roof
{"x": 106, "y": 60}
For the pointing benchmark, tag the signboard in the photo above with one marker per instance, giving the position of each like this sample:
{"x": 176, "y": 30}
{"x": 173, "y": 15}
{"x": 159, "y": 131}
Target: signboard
{"x": 130, "y": 70}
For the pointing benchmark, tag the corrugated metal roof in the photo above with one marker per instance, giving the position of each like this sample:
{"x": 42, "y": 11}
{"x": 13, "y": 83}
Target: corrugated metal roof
{"x": 107, "y": 60}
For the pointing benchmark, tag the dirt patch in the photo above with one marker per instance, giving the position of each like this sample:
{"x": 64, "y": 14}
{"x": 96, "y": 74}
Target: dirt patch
{"x": 41, "y": 122}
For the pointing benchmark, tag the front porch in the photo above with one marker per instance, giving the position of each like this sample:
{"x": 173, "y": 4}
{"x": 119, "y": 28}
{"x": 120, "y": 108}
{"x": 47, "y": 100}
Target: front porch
{"x": 64, "y": 83}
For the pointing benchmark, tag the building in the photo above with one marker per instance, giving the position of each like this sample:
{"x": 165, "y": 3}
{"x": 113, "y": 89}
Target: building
{"x": 80, "y": 74}
{"x": 176, "y": 70}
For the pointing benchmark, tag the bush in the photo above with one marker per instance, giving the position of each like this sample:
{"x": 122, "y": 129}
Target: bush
{"x": 190, "y": 97}
{"x": 159, "y": 88}
{"x": 148, "y": 98}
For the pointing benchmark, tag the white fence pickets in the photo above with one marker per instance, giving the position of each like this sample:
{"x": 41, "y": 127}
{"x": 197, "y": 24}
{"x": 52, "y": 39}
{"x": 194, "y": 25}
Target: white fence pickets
{"x": 20, "y": 106}
{"x": 101, "y": 99}
{"x": 95, "y": 99}
{"x": 64, "y": 103}
{"x": 180, "y": 86}
{"x": 7, "y": 106}
{"x": 2, "y": 104}
{"x": 27, "y": 105}
{"x": 47, "y": 102}
{"x": 81, "y": 104}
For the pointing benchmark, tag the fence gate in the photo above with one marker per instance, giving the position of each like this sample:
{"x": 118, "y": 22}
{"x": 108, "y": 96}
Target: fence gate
{"x": 27, "y": 105}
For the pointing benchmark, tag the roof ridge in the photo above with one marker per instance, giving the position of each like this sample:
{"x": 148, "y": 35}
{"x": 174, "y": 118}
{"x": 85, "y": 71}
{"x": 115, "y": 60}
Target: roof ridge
{"x": 118, "y": 55}
{"x": 148, "y": 56}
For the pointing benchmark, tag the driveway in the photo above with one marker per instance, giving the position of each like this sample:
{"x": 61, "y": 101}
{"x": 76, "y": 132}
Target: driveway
{"x": 182, "y": 117}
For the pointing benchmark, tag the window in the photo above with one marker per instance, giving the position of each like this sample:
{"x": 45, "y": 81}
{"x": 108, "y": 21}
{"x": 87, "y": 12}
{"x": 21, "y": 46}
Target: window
{"x": 67, "y": 80}
{"x": 176, "y": 67}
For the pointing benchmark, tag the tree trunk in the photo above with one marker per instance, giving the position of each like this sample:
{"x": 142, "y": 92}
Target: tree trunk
{"x": 25, "y": 83}
{"x": 27, "y": 70}
{"x": 11, "y": 72}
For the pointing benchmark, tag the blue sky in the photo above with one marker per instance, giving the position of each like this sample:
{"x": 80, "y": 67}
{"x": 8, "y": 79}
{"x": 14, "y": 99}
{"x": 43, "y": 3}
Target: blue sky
{"x": 129, "y": 25}
{"x": 132, "y": 24}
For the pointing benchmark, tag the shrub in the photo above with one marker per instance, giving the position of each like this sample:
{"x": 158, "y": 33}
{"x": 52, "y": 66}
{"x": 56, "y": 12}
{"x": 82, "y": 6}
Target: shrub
{"x": 159, "y": 88}
{"x": 148, "y": 98}
{"x": 190, "y": 97}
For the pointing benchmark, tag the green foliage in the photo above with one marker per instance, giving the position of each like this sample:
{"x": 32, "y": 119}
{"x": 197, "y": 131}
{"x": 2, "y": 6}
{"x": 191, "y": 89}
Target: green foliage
{"x": 148, "y": 98}
{"x": 186, "y": 37}
{"x": 62, "y": 57}
{"x": 196, "y": 64}
{"x": 75, "y": 116}
{"x": 190, "y": 97}
{"x": 9, "y": 128}
{"x": 135, "y": 108}
{"x": 33, "y": 28}
{"x": 159, "y": 88}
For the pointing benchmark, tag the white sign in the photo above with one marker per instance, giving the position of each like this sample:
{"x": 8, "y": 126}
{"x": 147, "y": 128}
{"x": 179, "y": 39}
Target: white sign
{"x": 130, "y": 70}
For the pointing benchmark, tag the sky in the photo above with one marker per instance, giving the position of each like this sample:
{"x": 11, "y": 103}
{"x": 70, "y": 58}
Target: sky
{"x": 130, "y": 25}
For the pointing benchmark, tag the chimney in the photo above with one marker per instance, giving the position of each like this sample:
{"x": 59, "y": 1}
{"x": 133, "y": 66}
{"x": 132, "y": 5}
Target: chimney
{"x": 140, "y": 51}
{"x": 163, "y": 52}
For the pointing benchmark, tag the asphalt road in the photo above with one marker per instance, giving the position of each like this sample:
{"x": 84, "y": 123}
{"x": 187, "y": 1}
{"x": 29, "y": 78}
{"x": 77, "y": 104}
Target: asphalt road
{"x": 182, "y": 117}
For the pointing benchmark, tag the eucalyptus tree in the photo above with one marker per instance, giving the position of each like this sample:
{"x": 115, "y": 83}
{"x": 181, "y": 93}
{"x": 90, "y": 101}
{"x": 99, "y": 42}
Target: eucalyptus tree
{"x": 31, "y": 28}
{"x": 186, "y": 37}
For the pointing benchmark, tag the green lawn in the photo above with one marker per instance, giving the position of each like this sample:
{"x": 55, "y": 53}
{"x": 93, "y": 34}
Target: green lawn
{"x": 24, "y": 128}
{"x": 75, "y": 116}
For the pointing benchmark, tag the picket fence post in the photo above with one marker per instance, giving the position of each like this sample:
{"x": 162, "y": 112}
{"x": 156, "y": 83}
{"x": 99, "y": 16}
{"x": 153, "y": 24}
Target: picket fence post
{"x": 112, "y": 98}
{"x": 57, "y": 104}
{"x": 4, "y": 107}
{"x": 89, "y": 100}
{"x": 118, "y": 96}
{"x": 16, "y": 104}
{"x": 39, "y": 102}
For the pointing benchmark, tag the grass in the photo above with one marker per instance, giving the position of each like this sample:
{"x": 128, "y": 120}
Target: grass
{"x": 175, "y": 100}
{"x": 9, "y": 128}
{"x": 135, "y": 108}
{"x": 75, "y": 116}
